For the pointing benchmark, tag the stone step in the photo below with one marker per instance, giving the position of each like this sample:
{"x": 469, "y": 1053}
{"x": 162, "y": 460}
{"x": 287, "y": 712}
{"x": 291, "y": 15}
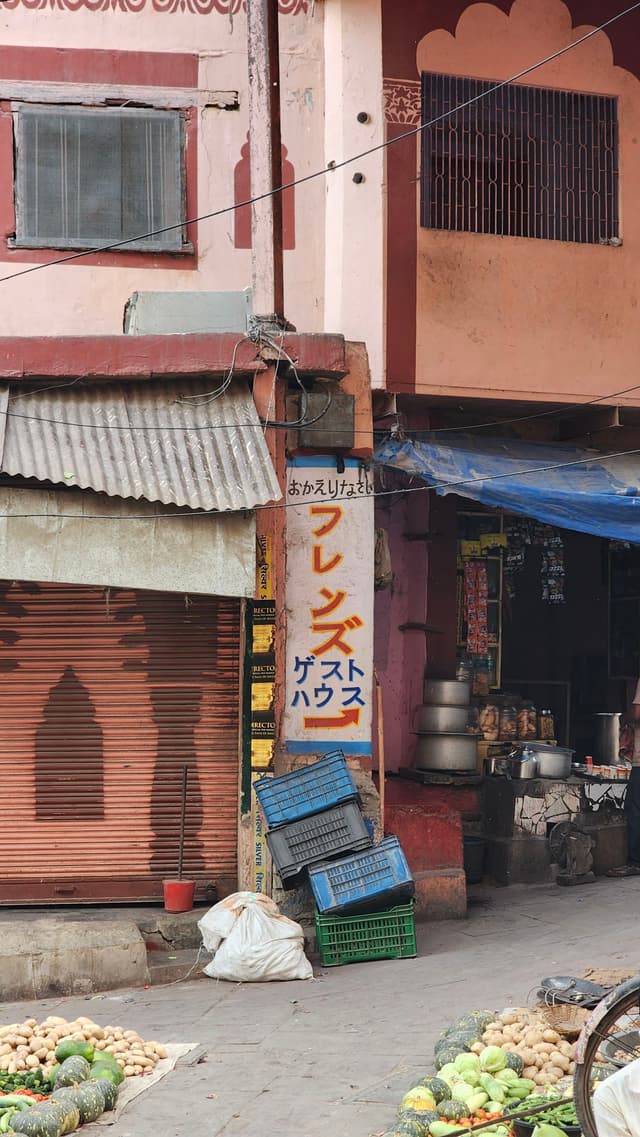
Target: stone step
{"x": 173, "y": 966}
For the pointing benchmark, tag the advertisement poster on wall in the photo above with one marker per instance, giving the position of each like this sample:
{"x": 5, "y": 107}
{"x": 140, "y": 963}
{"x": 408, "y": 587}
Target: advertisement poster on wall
{"x": 330, "y": 555}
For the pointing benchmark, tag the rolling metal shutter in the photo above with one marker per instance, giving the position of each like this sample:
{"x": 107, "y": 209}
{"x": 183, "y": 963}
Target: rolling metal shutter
{"x": 105, "y": 695}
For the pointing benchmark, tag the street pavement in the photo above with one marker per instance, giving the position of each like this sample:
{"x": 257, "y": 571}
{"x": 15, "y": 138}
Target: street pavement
{"x": 331, "y": 1057}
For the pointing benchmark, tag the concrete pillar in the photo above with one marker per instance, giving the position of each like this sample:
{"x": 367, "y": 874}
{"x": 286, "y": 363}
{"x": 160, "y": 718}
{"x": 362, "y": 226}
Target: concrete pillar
{"x": 355, "y": 211}
{"x": 266, "y": 160}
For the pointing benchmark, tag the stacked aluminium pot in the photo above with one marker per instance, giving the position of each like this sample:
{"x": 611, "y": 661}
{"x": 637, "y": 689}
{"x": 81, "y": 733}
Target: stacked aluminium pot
{"x": 441, "y": 726}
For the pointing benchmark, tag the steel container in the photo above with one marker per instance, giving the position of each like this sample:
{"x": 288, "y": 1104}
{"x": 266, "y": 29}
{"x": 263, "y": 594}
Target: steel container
{"x": 606, "y": 742}
{"x": 442, "y": 719}
{"x": 553, "y": 761}
{"x": 447, "y": 692}
{"x": 446, "y": 752}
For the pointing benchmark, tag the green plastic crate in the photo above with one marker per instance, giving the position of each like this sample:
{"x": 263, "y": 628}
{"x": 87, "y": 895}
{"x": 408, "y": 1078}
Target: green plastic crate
{"x": 358, "y": 939}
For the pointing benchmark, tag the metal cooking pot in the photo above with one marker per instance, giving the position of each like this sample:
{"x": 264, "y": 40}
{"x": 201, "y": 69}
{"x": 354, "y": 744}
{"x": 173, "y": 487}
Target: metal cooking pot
{"x": 497, "y": 766}
{"x": 447, "y": 692}
{"x": 553, "y": 761}
{"x": 446, "y": 752}
{"x": 442, "y": 720}
{"x": 606, "y": 743}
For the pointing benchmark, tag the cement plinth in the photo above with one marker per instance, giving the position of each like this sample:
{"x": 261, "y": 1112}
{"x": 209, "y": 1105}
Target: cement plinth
{"x": 41, "y": 958}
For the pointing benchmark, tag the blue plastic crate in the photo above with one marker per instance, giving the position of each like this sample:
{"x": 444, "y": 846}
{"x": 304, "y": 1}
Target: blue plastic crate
{"x": 317, "y": 839}
{"x": 363, "y": 882}
{"x": 304, "y": 792}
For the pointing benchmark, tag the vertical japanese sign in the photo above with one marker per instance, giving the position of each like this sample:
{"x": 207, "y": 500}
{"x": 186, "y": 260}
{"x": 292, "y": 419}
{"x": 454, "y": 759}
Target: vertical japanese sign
{"x": 330, "y": 571}
{"x": 263, "y": 668}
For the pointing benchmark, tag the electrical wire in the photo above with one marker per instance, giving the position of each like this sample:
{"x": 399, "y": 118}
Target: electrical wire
{"x": 210, "y": 396}
{"x": 326, "y": 500}
{"x": 529, "y": 418}
{"x": 411, "y": 133}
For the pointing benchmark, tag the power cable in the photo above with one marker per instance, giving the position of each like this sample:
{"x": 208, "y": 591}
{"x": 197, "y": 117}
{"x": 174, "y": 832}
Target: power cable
{"x": 334, "y": 165}
{"x": 529, "y": 418}
{"x": 326, "y": 500}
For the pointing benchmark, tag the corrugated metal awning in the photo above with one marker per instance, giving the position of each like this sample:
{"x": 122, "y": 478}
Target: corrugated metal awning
{"x": 173, "y": 442}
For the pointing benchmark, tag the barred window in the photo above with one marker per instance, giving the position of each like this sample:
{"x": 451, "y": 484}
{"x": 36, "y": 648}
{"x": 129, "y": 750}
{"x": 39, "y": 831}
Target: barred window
{"x": 519, "y": 162}
{"x": 86, "y": 177}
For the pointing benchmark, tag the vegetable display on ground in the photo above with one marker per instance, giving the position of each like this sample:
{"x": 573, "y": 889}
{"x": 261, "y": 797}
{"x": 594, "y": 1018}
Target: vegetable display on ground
{"x": 58, "y": 1075}
{"x": 490, "y": 1066}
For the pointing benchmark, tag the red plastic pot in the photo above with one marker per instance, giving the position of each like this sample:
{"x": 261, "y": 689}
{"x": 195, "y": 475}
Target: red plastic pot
{"x": 178, "y": 895}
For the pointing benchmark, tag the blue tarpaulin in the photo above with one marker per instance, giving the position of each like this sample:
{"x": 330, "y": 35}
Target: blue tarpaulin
{"x": 565, "y": 486}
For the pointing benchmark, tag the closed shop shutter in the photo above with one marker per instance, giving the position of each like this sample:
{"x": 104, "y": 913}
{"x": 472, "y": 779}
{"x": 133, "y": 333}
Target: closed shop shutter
{"x": 105, "y": 696}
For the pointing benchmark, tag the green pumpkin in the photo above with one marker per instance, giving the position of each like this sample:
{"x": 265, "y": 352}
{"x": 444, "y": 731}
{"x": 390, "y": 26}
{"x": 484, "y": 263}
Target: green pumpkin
{"x": 90, "y": 1101}
{"x": 67, "y": 1047}
{"x": 453, "y": 1110}
{"x": 109, "y": 1092}
{"x": 65, "y": 1098}
{"x": 440, "y": 1091}
{"x": 423, "y": 1117}
{"x": 72, "y": 1071}
{"x": 41, "y": 1121}
{"x": 446, "y": 1055}
{"x": 411, "y": 1129}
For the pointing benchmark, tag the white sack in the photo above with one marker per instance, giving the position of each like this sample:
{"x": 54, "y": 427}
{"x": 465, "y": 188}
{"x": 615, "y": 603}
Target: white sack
{"x": 252, "y": 942}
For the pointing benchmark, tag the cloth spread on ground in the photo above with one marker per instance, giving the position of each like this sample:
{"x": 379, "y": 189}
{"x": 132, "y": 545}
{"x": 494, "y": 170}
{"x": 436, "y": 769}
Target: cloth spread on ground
{"x": 557, "y": 484}
{"x": 131, "y": 1088}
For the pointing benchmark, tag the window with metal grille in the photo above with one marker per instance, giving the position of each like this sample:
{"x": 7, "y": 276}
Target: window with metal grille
{"x": 520, "y": 161}
{"x": 87, "y": 177}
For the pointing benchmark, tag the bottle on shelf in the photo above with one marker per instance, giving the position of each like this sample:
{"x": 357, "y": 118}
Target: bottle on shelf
{"x": 546, "y": 726}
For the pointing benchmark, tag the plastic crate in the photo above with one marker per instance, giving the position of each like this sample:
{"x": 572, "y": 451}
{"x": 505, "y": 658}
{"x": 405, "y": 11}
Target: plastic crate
{"x": 304, "y": 792}
{"x": 357, "y": 939}
{"x": 364, "y": 882}
{"x": 336, "y": 831}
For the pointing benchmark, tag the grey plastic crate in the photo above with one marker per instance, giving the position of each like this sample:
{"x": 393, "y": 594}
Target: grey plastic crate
{"x": 315, "y": 839}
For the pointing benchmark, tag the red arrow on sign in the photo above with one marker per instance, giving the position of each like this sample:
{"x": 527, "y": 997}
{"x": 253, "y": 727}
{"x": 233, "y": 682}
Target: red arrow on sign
{"x": 346, "y": 718}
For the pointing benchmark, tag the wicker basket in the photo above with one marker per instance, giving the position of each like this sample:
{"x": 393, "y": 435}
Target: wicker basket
{"x": 565, "y": 1018}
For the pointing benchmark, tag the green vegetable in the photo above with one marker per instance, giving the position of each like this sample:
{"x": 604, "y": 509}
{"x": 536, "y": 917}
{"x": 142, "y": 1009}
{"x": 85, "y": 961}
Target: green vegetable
{"x": 438, "y": 1088}
{"x": 441, "y": 1129}
{"x": 417, "y": 1098}
{"x": 478, "y": 1101}
{"x": 561, "y": 1111}
{"x": 72, "y": 1071}
{"x": 546, "y": 1130}
{"x": 453, "y": 1110}
{"x": 70, "y": 1110}
{"x": 410, "y": 1129}
{"x": 514, "y": 1062}
{"x": 17, "y": 1101}
{"x": 522, "y": 1088}
{"x": 90, "y": 1101}
{"x": 507, "y": 1076}
{"x": 46, "y": 1121}
{"x": 447, "y": 1072}
{"x": 492, "y": 1087}
{"x": 494, "y": 1106}
{"x": 492, "y": 1059}
{"x": 445, "y": 1055}
{"x": 67, "y": 1047}
{"x": 466, "y": 1062}
{"x": 423, "y": 1116}
{"x": 108, "y": 1070}
{"x": 109, "y": 1092}
{"x": 462, "y": 1091}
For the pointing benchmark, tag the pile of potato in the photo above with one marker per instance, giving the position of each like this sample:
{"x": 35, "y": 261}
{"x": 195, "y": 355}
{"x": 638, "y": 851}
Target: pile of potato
{"x": 547, "y": 1056}
{"x": 23, "y": 1046}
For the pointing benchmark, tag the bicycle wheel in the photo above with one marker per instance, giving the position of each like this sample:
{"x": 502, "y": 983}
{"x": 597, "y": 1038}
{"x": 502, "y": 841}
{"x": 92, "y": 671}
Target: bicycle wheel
{"x": 610, "y": 1039}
